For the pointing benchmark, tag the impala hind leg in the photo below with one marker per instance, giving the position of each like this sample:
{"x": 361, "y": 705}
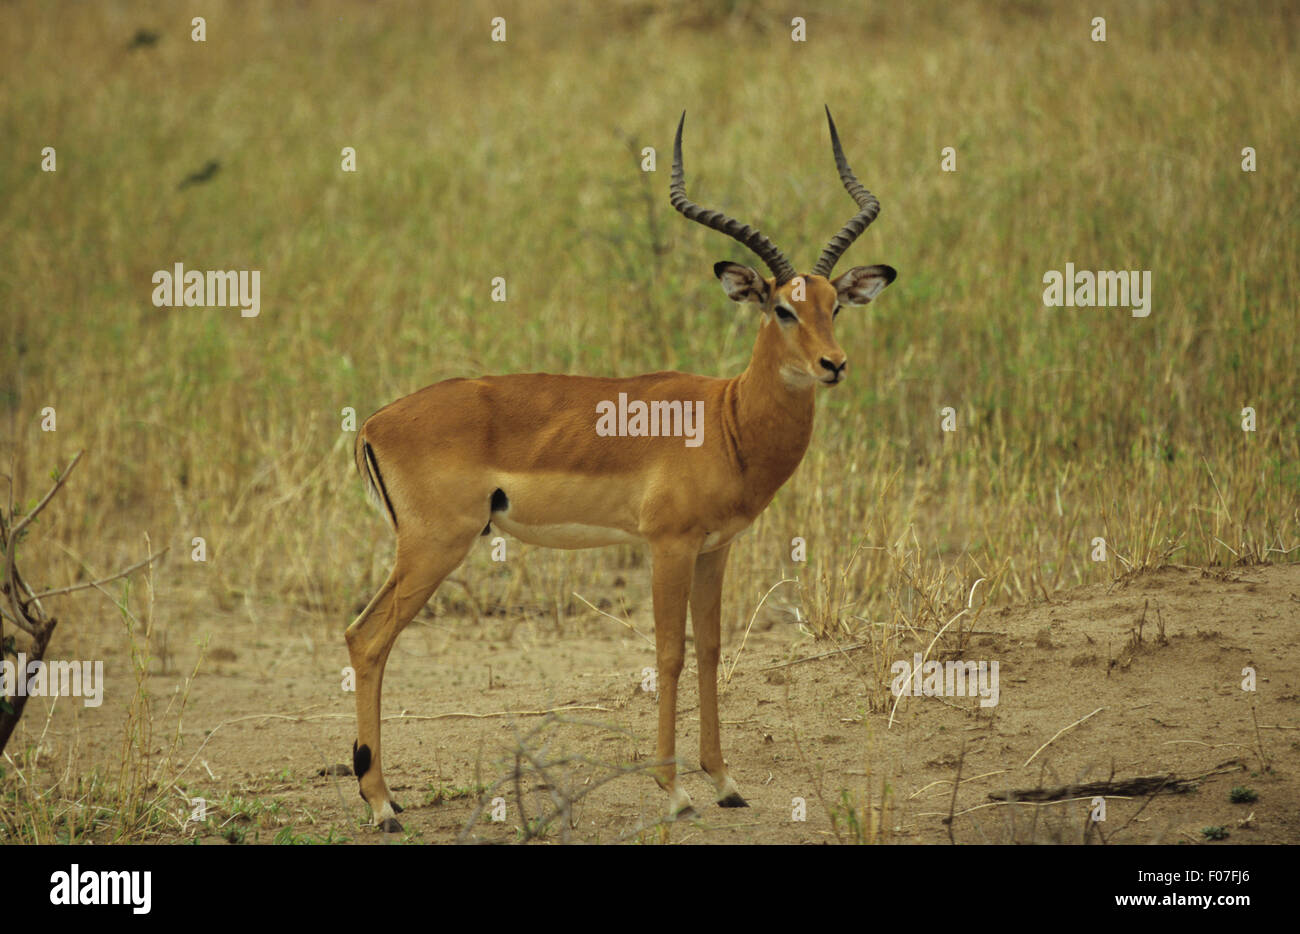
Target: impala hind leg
{"x": 416, "y": 575}
{"x": 671, "y": 569}
{"x": 706, "y": 618}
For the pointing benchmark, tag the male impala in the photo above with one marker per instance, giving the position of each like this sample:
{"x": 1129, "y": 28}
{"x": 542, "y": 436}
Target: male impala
{"x": 524, "y": 453}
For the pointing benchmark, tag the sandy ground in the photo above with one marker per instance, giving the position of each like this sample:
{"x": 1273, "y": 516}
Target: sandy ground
{"x": 269, "y": 710}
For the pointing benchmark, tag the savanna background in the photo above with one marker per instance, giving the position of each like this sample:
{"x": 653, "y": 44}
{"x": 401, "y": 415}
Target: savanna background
{"x": 522, "y": 159}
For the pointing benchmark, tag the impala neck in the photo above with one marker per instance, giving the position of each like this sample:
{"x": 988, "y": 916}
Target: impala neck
{"x": 773, "y": 420}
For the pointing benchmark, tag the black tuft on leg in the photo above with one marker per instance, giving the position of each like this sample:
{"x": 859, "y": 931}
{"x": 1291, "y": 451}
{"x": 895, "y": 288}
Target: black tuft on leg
{"x": 360, "y": 760}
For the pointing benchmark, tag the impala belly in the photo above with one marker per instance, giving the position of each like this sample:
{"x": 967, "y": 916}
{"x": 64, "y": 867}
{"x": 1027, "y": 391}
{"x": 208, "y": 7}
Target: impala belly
{"x": 724, "y": 535}
{"x": 715, "y": 539}
{"x": 564, "y": 511}
{"x": 577, "y": 535}
{"x": 564, "y": 534}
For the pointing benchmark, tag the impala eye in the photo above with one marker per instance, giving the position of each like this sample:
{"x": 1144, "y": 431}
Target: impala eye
{"x": 836, "y": 313}
{"x": 785, "y": 314}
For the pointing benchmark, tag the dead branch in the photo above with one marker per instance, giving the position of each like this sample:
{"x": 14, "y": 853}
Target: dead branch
{"x": 1131, "y": 787}
{"x": 22, "y": 605}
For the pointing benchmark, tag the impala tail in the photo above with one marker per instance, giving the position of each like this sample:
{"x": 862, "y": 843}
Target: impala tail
{"x": 368, "y": 467}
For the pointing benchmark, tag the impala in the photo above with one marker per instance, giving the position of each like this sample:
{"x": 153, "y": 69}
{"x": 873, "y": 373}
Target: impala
{"x": 523, "y": 453}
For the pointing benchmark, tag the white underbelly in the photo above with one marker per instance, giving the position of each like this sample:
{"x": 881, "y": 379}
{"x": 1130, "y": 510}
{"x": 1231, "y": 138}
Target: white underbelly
{"x": 714, "y": 539}
{"x": 564, "y": 534}
{"x": 718, "y": 539}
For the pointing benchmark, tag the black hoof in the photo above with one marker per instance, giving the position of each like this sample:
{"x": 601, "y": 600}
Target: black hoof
{"x": 390, "y": 825}
{"x": 733, "y": 800}
{"x": 397, "y": 807}
{"x": 687, "y": 813}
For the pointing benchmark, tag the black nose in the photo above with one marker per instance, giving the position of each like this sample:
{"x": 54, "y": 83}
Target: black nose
{"x": 835, "y": 369}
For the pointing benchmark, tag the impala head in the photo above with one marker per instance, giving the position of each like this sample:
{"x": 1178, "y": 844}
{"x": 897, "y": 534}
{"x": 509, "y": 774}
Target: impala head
{"x": 800, "y": 310}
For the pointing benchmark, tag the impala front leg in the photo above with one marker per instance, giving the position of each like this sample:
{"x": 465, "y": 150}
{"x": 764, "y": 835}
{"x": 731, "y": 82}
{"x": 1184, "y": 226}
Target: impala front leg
{"x": 673, "y": 567}
{"x": 706, "y": 619}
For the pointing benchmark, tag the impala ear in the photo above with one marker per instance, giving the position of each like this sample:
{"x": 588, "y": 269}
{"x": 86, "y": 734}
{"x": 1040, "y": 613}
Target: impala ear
{"x": 863, "y": 283}
{"x": 741, "y": 283}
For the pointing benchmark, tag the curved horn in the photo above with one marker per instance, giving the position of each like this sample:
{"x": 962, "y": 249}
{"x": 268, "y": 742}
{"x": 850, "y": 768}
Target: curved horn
{"x": 764, "y": 248}
{"x": 858, "y": 222}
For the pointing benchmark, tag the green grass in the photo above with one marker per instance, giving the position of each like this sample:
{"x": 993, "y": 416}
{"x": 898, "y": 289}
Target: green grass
{"x": 440, "y": 794}
{"x": 480, "y": 159}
